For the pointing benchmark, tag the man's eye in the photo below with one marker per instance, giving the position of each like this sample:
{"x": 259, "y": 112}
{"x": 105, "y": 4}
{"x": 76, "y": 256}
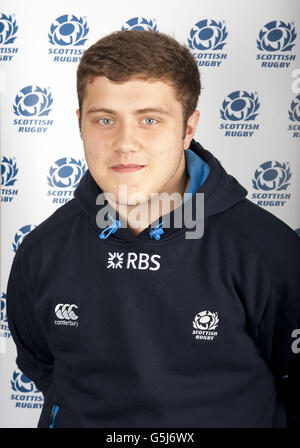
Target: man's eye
{"x": 149, "y": 120}
{"x": 105, "y": 121}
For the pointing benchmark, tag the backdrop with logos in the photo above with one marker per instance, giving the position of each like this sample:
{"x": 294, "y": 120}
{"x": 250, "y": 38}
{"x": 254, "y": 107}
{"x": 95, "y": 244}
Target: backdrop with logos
{"x": 248, "y": 55}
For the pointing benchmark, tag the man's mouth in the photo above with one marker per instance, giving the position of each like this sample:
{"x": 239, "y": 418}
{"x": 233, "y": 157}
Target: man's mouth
{"x": 127, "y": 168}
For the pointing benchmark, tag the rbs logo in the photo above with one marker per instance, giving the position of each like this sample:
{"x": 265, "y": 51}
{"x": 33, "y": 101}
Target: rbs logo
{"x": 139, "y": 261}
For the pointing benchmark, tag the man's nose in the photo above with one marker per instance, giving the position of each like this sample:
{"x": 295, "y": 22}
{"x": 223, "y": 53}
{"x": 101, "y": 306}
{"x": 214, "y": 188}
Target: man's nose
{"x": 125, "y": 138}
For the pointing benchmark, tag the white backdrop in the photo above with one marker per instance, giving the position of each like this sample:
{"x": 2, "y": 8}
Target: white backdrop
{"x": 249, "y": 59}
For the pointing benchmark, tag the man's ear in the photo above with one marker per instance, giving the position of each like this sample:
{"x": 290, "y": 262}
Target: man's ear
{"x": 191, "y": 127}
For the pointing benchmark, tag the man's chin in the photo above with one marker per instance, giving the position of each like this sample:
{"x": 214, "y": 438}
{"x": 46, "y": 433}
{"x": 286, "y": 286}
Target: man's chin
{"x": 128, "y": 199}
{"x": 133, "y": 199}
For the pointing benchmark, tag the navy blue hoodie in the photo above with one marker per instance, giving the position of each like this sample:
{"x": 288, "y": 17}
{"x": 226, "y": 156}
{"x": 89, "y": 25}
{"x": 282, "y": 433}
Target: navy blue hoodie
{"x": 164, "y": 331}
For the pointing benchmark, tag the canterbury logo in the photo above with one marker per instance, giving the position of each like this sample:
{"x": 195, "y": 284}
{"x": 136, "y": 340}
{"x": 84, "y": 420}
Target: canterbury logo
{"x": 65, "y": 311}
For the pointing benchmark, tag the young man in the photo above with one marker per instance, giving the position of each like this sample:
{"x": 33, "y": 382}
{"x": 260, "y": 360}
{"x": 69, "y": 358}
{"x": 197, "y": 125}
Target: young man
{"x": 124, "y": 325}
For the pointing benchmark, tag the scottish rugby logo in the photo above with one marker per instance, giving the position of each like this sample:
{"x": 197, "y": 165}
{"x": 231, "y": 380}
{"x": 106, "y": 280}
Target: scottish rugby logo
{"x": 140, "y": 23}
{"x": 64, "y": 176}
{"x": 20, "y": 383}
{"x": 276, "y": 36}
{"x": 68, "y": 30}
{"x": 5, "y": 333}
{"x": 8, "y": 31}
{"x": 33, "y": 101}
{"x": 203, "y": 324}
{"x": 3, "y": 308}
{"x": 208, "y": 35}
{"x": 207, "y": 39}
{"x": 9, "y": 173}
{"x": 275, "y": 40}
{"x": 26, "y": 394}
{"x": 67, "y": 33}
{"x": 271, "y": 176}
{"x": 21, "y": 235}
{"x": 240, "y": 106}
{"x": 239, "y": 109}
{"x": 294, "y": 116}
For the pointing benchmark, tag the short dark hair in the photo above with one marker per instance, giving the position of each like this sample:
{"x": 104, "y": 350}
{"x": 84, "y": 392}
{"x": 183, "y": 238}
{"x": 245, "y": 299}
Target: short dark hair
{"x": 146, "y": 55}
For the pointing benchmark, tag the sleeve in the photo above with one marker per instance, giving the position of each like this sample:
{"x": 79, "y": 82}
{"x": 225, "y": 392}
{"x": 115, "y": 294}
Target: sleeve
{"x": 34, "y": 357}
{"x": 279, "y": 326}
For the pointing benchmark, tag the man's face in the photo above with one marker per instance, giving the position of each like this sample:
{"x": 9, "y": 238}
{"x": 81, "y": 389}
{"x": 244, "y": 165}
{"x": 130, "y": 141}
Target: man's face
{"x": 137, "y": 123}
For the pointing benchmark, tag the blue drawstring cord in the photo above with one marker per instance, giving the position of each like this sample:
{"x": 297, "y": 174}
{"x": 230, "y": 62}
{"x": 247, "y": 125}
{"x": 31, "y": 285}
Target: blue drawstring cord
{"x": 111, "y": 229}
{"x": 54, "y": 412}
{"x": 157, "y": 232}
{"x": 154, "y": 233}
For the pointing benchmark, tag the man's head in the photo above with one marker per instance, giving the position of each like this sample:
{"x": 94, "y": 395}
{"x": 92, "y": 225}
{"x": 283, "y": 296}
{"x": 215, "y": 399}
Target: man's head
{"x": 138, "y": 92}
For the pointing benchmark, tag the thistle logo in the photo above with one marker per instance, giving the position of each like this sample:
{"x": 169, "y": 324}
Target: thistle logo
{"x": 66, "y": 314}
{"x": 21, "y": 234}
{"x": 3, "y": 308}
{"x": 33, "y": 101}
{"x": 5, "y": 333}
{"x": 64, "y": 176}
{"x": 27, "y": 395}
{"x": 294, "y": 116}
{"x": 140, "y": 23}
{"x": 203, "y": 324}
{"x": 239, "y": 108}
{"x": 8, "y": 30}
{"x": 271, "y": 176}
{"x": 239, "y": 105}
{"x": 275, "y": 38}
{"x": 207, "y": 38}
{"x": 9, "y": 172}
{"x": 68, "y": 31}
{"x": 141, "y": 261}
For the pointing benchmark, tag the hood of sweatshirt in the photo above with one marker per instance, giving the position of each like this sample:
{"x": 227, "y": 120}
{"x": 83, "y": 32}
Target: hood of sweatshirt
{"x": 221, "y": 191}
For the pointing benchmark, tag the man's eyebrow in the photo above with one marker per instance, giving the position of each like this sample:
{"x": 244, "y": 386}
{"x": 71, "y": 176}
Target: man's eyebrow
{"x": 159, "y": 110}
